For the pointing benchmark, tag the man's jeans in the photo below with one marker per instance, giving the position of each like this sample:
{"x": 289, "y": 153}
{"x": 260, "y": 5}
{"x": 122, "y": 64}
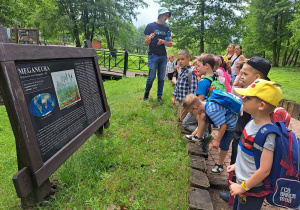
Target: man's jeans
{"x": 159, "y": 63}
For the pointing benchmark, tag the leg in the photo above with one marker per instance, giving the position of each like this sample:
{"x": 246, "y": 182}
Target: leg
{"x": 201, "y": 125}
{"x": 152, "y": 65}
{"x": 190, "y": 122}
{"x": 223, "y": 154}
{"x": 161, "y": 66}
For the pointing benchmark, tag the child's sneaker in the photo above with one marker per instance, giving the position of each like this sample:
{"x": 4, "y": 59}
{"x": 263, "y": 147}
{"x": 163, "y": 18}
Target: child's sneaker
{"x": 194, "y": 138}
{"x": 206, "y": 141}
{"x": 217, "y": 169}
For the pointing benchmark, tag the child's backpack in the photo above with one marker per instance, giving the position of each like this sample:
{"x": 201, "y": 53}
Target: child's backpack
{"x": 229, "y": 101}
{"x": 282, "y": 186}
{"x": 226, "y": 78}
{"x": 215, "y": 84}
{"x": 280, "y": 114}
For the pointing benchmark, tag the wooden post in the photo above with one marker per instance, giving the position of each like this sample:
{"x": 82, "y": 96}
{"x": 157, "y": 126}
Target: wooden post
{"x": 125, "y": 62}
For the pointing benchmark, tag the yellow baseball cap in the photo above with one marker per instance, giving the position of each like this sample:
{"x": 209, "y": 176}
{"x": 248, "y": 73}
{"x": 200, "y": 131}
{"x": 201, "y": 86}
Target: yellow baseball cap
{"x": 267, "y": 91}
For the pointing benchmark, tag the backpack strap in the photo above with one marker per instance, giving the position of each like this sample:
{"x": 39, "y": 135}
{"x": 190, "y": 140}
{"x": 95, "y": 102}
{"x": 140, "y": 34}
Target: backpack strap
{"x": 190, "y": 74}
{"x": 260, "y": 140}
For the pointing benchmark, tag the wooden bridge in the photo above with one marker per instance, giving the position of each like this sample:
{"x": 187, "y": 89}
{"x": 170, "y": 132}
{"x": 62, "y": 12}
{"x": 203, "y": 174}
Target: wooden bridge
{"x": 120, "y": 73}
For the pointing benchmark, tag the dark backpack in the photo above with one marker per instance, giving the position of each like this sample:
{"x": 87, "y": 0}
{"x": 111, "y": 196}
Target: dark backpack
{"x": 282, "y": 186}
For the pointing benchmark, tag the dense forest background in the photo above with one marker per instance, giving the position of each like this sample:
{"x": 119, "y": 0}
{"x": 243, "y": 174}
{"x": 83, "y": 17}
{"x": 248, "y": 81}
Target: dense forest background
{"x": 267, "y": 28}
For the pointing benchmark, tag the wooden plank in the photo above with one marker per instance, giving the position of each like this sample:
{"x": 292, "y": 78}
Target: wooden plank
{"x": 23, "y": 182}
{"x": 296, "y": 111}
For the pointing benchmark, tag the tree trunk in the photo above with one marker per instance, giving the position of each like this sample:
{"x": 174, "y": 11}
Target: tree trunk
{"x": 275, "y": 64}
{"x": 284, "y": 61}
{"x": 202, "y": 27}
{"x": 288, "y": 58}
{"x": 293, "y": 57}
{"x": 76, "y": 35}
{"x": 297, "y": 54}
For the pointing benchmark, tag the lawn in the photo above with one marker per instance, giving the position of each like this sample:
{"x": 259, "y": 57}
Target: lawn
{"x": 288, "y": 78}
{"x": 140, "y": 162}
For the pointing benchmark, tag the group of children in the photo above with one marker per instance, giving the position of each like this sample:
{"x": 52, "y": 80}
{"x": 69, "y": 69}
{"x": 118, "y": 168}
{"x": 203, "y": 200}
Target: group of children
{"x": 260, "y": 98}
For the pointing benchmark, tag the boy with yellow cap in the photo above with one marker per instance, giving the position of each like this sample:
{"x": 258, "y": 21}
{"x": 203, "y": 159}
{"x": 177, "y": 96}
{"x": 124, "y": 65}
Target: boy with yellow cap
{"x": 260, "y": 99}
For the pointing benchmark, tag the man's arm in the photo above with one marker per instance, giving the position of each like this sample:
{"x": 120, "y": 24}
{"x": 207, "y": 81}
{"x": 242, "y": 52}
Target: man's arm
{"x": 162, "y": 41}
{"x": 148, "y": 38}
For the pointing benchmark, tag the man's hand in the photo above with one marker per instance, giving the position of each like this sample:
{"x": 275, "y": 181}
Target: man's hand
{"x": 160, "y": 42}
{"x": 173, "y": 100}
{"x": 151, "y": 36}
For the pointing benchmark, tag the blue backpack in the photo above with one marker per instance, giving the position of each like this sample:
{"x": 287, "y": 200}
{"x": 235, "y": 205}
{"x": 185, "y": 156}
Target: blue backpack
{"x": 229, "y": 101}
{"x": 282, "y": 186}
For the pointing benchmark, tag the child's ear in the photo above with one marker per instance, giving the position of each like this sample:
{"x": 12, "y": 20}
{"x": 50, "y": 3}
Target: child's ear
{"x": 262, "y": 106}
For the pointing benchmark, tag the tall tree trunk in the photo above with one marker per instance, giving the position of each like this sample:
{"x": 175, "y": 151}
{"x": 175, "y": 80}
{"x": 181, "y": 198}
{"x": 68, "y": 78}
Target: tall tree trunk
{"x": 202, "y": 27}
{"x": 76, "y": 35}
{"x": 292, "y": 59}
{"x": 275, "y": 28}
{"x": 288, "y": 58}
{"x": 296, "y": 59}
{"x": 284, "y": 61}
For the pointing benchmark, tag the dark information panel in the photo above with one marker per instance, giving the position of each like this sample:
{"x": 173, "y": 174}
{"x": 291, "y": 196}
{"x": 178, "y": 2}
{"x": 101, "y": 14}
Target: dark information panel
{"x": 63, "y": 98}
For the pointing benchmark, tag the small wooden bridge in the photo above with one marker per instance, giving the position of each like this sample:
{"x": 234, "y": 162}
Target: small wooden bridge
{"x": 120, "y": 73}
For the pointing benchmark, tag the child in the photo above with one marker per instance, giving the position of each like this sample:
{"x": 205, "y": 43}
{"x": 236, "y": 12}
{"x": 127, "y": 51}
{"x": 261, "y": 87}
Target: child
{"x": 218, "y": 115}
{"x": 255, "y": 68}
{"x": 170, "y": 67}
{"x": 238, "y": 83}
{"x": 260, "y": 99}
{"x": 224, "y": 77}
{"x": 182, "y": 87}
{"x": 204, "y": 65}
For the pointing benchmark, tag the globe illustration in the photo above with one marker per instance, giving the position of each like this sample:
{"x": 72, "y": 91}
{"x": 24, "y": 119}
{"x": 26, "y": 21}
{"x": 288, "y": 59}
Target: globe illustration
{"x": 42, "y": 104}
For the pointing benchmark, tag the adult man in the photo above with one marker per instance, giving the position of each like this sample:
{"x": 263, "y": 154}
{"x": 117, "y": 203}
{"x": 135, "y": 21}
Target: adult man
{"x": 157, "y": 37}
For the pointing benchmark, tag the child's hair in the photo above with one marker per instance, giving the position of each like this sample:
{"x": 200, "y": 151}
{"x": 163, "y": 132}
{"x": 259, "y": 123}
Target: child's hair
{"x": 223, "y": 63}
{"x": 240, "y": 64}
{"x": 190, "y": 100}
{"x": 207, "y": 58}
{"x": 186, "y": 53}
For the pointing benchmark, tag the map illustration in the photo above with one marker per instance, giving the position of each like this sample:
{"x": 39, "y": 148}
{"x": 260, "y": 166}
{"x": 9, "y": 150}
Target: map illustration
{"x": 42, "y": 104}
{"x": 66, "y": 87}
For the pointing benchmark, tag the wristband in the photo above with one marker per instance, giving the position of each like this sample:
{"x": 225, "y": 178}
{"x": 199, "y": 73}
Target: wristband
{"x": 244, "y": 186}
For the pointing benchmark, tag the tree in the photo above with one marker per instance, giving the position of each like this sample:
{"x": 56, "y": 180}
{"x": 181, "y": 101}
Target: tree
{"x": 266, "y": 25}
{"x": 194, "y": 23}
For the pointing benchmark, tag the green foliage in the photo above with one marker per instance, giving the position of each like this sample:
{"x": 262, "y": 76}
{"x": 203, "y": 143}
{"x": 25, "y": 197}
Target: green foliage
{"x": 194, "y": 23}
{"x": 139, "y": 161}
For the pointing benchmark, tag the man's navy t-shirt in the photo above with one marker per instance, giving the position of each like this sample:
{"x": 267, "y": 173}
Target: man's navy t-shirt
{"x": 161, "y": 33}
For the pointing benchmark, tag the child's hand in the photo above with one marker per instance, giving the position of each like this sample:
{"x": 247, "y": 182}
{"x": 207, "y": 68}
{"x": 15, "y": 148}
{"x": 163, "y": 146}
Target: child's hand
{"x": 236, "y": 189}
{"x": 173, "y": 101}
{"x": 231, "y": 168}
{"x": 215, "y": 144}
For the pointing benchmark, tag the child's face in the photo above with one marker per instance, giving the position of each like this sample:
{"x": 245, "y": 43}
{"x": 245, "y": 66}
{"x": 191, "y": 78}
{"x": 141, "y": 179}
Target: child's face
{"x": 248, "y": 75}
{"x": 251, "y": 104}
{"x": 183, "y": 61}
{"x": 200, "y": 67}
{"x": 237, "y": 70}
{"x": 172, "y": 58}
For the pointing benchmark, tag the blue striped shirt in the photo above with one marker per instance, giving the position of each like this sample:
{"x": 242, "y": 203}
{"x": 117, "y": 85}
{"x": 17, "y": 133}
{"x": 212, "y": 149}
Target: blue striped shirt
{"x": 217, "y": 113}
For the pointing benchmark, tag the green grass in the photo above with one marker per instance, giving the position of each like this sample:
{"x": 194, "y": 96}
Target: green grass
{"x": 288, "y": 78}
{"x": 139, "y": 162}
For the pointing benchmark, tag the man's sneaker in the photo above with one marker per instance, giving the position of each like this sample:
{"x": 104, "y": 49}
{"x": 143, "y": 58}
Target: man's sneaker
{"x": 146, "y": 96}
{"x": 217, "y": 169}
{"x": 225, "y": 196}
{"x": 206, "y": 141}
{"x": 160, "y": 100}
{"x": 194, "y": 138}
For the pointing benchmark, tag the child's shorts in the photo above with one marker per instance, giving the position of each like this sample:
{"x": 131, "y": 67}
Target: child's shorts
{"x": 226, "y": 140}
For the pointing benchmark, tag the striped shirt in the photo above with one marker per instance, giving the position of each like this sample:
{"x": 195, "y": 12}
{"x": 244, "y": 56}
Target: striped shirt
{"x": 218, "y": 114}
{"x": 182, "y": 88}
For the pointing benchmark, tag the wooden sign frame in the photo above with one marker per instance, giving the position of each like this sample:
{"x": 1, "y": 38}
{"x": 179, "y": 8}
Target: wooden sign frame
{"x": 32, "y": 181}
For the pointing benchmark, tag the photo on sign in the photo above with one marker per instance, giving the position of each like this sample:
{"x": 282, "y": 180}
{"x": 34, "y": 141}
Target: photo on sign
{"x": 66, "y": 87}
{"x": 42, "y": 104}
